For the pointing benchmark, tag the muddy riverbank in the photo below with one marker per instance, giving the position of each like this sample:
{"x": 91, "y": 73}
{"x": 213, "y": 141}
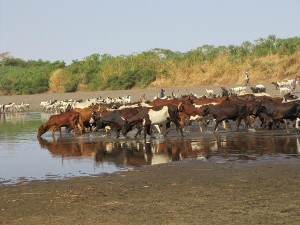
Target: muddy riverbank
{"x": 186, "y": 192}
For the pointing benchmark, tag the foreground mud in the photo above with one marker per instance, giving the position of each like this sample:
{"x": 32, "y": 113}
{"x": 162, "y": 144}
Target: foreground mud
{"x": 187, "y": 192}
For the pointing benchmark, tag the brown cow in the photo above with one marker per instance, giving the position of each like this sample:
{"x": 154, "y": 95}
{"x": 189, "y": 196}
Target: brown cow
{"x": 56, "y": 122}
{"x": 228, "y": 110}
{"x": 87, "y": 113}
{"x": 115, "y": 119}
{"x": 193, "y": 109}
{"x": 279, "y": 111}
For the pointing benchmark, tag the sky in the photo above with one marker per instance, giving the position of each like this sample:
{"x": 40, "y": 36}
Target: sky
{"x": 70, "y": 30}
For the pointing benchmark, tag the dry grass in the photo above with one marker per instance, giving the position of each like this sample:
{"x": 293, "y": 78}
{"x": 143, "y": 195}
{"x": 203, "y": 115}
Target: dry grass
{"x": 56, "y": 81}
{"x": 220, "y": 71}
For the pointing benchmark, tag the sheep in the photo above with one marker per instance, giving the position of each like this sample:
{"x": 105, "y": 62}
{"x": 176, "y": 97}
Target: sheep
{"x": 258, "y": 88}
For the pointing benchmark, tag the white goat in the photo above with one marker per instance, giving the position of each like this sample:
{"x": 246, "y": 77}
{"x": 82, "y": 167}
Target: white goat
{"x": 237, "y": 90}
{"x": 284, "y": 90}
{"x": 210, "y": 92}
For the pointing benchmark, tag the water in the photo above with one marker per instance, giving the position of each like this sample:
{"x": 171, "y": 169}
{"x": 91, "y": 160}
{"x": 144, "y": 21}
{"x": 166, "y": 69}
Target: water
{"x": 24, "y": 157}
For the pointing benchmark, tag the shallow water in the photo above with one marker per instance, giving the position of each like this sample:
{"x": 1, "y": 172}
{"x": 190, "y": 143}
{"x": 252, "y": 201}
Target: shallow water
{"x": 23, "y": 157}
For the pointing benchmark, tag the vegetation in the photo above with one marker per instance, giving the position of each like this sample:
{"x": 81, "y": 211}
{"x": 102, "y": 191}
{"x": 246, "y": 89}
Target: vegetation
{"x": 18, "y": 76}
{"x": 267, "y": 60}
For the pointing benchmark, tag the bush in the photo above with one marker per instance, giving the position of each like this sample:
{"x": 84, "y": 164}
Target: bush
{"x": 146, "y": 76}
{"x": 95, "y": 83}
{"x": 71, "y": 86}
{"x": 131, "y": 78}
{"x": 116, "y": 82}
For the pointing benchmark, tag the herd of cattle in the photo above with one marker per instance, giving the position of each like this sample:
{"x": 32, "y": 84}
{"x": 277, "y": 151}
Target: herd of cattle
{"x": 123, "y": 117}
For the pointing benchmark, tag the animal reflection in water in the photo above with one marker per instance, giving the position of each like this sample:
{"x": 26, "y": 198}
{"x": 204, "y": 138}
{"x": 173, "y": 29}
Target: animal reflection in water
{"x": 130, "y": 153}
{"x": 139, "y": 152}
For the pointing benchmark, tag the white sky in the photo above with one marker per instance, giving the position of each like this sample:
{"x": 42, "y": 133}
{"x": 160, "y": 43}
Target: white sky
{"x": 73, "y": 29}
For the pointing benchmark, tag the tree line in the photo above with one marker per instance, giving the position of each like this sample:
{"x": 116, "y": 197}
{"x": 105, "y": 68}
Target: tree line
{"x": 204, "y": 65}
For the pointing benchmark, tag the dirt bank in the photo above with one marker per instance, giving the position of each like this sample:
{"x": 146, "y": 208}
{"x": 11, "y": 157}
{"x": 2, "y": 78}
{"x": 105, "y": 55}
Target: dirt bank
{"x": 187, "y": 192}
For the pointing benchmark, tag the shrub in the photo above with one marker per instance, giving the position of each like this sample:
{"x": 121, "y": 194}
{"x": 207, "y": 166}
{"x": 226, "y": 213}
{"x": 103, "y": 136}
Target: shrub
{"x": 146, "y": 76}
{"x": 71, "y": 86}
{"x": 95, "y": 83}
{"x": 131, "y": 78}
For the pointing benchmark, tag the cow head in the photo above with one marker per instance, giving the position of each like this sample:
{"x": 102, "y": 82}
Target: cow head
{"x": 96, "y": 115}
{"x": 41, "y": 131}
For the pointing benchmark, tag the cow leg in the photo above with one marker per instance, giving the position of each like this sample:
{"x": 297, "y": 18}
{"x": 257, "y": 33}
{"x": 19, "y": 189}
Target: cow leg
{"x": 226, "y": 125}
{"x": 74, "y": 129}
{"x": 286, "y": 126}
{"x": 59, "y": 129}
{"x": 216, "y": 125}
{"x": 158, "y": 127}
{"x": 238, "y": 122}
{"x": 181, "y": 130}
{"x": 77, "y": 127}
{"x": 68, "y": 129}
{"x": 80, "y": 129}
{"x": 200, "y": 124}
{"x": 297, "y": 125}
{"x": 139, "y": 131}
{"x": 118, "y": 130}
{"x": 252, "y": 121}
{"x": 147, "y": 130}
{"x": 168, "y": 127}
{"x": 179, "y": 127}
{"x": 247, "y": 123}
{"x": 184, "y": 121}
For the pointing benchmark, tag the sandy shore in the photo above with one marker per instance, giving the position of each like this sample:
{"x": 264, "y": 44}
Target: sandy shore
{"x": 186, "y": 192}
